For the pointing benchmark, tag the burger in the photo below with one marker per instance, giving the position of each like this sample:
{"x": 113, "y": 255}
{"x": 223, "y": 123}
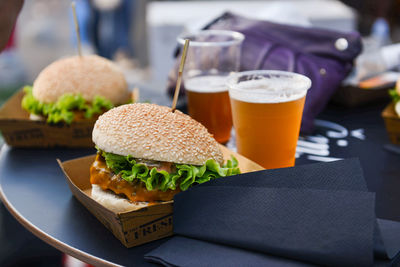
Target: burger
{"x": 147, "y": 153}
{"x": 75, "y": 89}
{"x": 395, "y": 94}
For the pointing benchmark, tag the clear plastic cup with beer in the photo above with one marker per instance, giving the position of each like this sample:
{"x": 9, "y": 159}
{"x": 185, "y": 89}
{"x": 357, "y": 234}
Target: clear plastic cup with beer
{"x": 212, "y": 56}
{"x": 267, "y": 107}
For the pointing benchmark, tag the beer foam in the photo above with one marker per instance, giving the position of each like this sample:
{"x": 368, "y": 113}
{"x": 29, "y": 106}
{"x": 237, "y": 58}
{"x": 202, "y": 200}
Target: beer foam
{"x": 207, "y": 84}
{"x": 270, "y": 90}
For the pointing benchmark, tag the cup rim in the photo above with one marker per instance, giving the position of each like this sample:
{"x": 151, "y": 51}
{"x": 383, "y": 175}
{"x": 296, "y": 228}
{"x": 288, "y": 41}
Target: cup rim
{"x": 232, "y": 80}
{"x": 237, "y": 38}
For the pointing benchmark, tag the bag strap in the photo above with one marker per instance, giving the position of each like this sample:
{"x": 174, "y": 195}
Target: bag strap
{"x": 267, "y": 51}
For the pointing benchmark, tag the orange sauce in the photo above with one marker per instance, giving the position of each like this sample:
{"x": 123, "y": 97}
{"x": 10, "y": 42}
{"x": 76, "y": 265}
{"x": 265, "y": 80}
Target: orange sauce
{"x": 80, "y": 116}
{"x": 101, "y": 175}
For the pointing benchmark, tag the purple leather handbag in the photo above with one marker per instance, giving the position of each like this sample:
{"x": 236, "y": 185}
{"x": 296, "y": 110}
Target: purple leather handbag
{"x": 325, "y": 56}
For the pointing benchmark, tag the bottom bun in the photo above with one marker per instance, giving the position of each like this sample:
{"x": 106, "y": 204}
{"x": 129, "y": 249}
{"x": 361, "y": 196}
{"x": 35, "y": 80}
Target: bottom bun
{"x": 113, "y": 202}
{"x": 34, "y": 117}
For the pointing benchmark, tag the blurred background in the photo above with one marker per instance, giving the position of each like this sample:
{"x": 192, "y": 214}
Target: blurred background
{"x": 141, "y": 35}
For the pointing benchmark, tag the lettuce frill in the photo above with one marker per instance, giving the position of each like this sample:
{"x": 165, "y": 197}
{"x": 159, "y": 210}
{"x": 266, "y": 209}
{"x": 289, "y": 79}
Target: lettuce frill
{"x": 63, "y": 109}
{"x": 184, "y": 176}
{"x": 394, "y": 95}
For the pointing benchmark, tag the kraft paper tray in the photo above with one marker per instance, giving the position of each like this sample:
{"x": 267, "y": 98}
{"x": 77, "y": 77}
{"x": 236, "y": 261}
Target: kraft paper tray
{"x": 138, "y": 226}
{"x": 392, "y": 123}
{"x": 19, "y": 131}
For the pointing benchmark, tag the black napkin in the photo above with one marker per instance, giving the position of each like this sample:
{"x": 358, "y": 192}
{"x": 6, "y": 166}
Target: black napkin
{"x": 319, "y": 214}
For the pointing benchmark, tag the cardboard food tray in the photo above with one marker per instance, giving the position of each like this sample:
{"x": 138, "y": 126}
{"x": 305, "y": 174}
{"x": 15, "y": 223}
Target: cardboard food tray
{"x": 392, "y": 123}
{"x": 351, "y": 96}
{"x": 140, "y": 225}
{"x": 19, "y": 131}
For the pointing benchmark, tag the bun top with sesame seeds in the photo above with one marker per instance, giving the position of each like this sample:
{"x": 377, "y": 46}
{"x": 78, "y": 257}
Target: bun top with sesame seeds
{"x": 153, "y": 132}
{"x": 89, "y": 76}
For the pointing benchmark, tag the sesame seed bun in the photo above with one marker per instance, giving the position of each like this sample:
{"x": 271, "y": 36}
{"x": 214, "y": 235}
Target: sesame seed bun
{"x": 153, "y": 132}
{"x": 90, "y": 76}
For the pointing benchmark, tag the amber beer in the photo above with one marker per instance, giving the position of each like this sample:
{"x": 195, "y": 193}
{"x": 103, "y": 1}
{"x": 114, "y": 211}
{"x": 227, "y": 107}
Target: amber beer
{"x": 267, "y": 116}
{"x": 208, "y": 103}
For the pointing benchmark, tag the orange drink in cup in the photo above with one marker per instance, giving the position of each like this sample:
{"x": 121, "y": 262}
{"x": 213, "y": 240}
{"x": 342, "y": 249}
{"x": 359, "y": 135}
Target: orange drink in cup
{"x": 208, "y": 103}
{"x": 211, "y": 57}
{"x": 267, "y": 107}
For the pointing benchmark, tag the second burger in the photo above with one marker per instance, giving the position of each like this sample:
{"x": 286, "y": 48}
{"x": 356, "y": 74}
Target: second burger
{"x": 75, "y": 89}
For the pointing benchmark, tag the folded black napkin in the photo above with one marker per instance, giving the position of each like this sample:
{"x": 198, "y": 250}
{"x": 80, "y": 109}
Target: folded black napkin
{"x": 312, "y": 214}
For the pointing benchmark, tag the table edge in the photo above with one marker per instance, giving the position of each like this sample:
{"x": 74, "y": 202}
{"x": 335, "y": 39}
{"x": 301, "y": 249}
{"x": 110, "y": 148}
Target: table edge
{"x": 74, "y": 252}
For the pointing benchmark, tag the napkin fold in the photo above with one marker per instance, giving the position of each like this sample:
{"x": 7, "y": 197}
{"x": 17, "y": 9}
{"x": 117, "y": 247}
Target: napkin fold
{"x": 183, "y": 251}
{"x": 311, "y": 214}
{"x": 323, "y": 227}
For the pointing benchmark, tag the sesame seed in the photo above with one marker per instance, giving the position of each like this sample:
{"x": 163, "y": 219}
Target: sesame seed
{"x": 153, "y": 132}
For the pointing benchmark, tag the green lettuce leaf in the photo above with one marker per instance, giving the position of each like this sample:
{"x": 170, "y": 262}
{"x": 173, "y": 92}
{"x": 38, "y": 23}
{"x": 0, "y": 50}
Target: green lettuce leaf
{"x": 184, "y": 177}
{"x": 63, "y": 109}
{"x": 394, "y": 95}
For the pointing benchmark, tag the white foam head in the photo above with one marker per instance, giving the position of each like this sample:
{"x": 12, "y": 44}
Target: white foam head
{"x": 267, "y": 86}
{"x": 206, "y": 84}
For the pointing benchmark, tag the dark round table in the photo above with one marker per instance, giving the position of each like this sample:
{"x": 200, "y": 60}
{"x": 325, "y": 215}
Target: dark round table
{"x": 34, "y": 189}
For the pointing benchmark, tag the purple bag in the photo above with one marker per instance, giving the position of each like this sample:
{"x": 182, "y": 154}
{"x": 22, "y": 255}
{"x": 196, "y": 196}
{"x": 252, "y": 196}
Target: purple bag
{"x": 325, "y": 56}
